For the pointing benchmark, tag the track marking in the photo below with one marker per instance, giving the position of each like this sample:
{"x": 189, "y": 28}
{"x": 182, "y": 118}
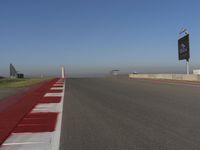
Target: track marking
{"x": 176, "y": 83}
{"x": 22, "y": 143}
{"x": 27, "y": 135}
{"x": 54, "y": 94}
{"x": 57, "y": 88}
{"x": 56, "y": 144}
{"x": 49, "y": 107}
{"x": 173, "y": 82}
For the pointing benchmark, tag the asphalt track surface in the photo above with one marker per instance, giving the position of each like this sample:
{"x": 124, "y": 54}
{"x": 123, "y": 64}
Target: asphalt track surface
{"x": 124, "y": 114}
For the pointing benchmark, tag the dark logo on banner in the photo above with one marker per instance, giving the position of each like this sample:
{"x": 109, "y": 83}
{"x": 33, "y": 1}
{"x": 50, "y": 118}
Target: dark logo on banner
{"x": 184, "y": 48}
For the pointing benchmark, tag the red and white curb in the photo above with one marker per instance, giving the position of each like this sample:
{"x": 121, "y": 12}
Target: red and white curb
{"x": 41, "y": 128}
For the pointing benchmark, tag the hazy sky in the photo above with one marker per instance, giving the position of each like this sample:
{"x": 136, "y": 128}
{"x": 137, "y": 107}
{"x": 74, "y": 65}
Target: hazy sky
{"x": 96, "y": 36}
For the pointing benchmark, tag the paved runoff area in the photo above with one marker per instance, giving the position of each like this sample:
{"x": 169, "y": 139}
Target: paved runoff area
{"x": 8, "y": 92}
{"x": 130, "y": 114}
{"x": 33, "y": 121}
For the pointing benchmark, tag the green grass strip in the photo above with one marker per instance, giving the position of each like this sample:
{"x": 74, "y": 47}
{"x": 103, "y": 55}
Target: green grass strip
{"x": 20, "y": 83}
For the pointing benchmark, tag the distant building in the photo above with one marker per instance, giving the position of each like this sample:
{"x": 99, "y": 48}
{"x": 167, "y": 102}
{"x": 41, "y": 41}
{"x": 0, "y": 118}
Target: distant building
{"x": 197, "y": 71}
{"x": 14, "y": 73}
{"x": 20, "y": 75}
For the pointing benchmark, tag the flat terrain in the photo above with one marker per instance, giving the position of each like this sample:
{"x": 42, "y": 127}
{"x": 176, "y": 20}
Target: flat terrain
{"x": 123, "y": 114}
{"x": 10, "y": 87}
{"x": 20, "y": 83}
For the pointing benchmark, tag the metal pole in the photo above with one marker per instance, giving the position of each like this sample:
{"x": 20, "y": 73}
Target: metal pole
{"x": 187, "y": 64}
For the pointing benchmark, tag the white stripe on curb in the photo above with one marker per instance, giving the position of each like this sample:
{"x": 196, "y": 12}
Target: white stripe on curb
{"x": 28, "y": 141}
{"x": 57, "y": 88}
{"x": 54, "y": 94}
{"x": 49, "y": 107}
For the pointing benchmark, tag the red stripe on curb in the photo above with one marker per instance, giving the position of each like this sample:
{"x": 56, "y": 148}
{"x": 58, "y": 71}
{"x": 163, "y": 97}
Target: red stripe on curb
{"x": 37, "y": 122}
{"x": 58, "y": 86}
{"x": 50, "y": 100}
{"x": 15, "y": 112}
{"x": 7, "y": 102}
{"x": 55, "y": 91}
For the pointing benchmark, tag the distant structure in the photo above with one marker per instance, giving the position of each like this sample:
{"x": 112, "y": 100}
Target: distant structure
{"x": 63, "y": 72}
{"x": 196, "y": 71}
{"x": 115, "y": 72}
{"x": 14, "y": 73}
{"x": 134, "y": 72}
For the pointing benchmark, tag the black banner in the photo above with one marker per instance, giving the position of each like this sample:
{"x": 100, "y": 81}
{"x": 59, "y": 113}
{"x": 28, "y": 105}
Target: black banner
{"x": 184, "y": 48}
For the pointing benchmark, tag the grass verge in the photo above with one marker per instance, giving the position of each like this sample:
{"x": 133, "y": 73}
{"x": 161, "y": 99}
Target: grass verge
{"x": 20, "y": 83}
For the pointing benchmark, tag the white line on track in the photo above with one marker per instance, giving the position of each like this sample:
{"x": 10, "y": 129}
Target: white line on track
{"x": 179, "y": 84}
{"x": 57, "y": 134}
{"x": 22, "y": 143}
